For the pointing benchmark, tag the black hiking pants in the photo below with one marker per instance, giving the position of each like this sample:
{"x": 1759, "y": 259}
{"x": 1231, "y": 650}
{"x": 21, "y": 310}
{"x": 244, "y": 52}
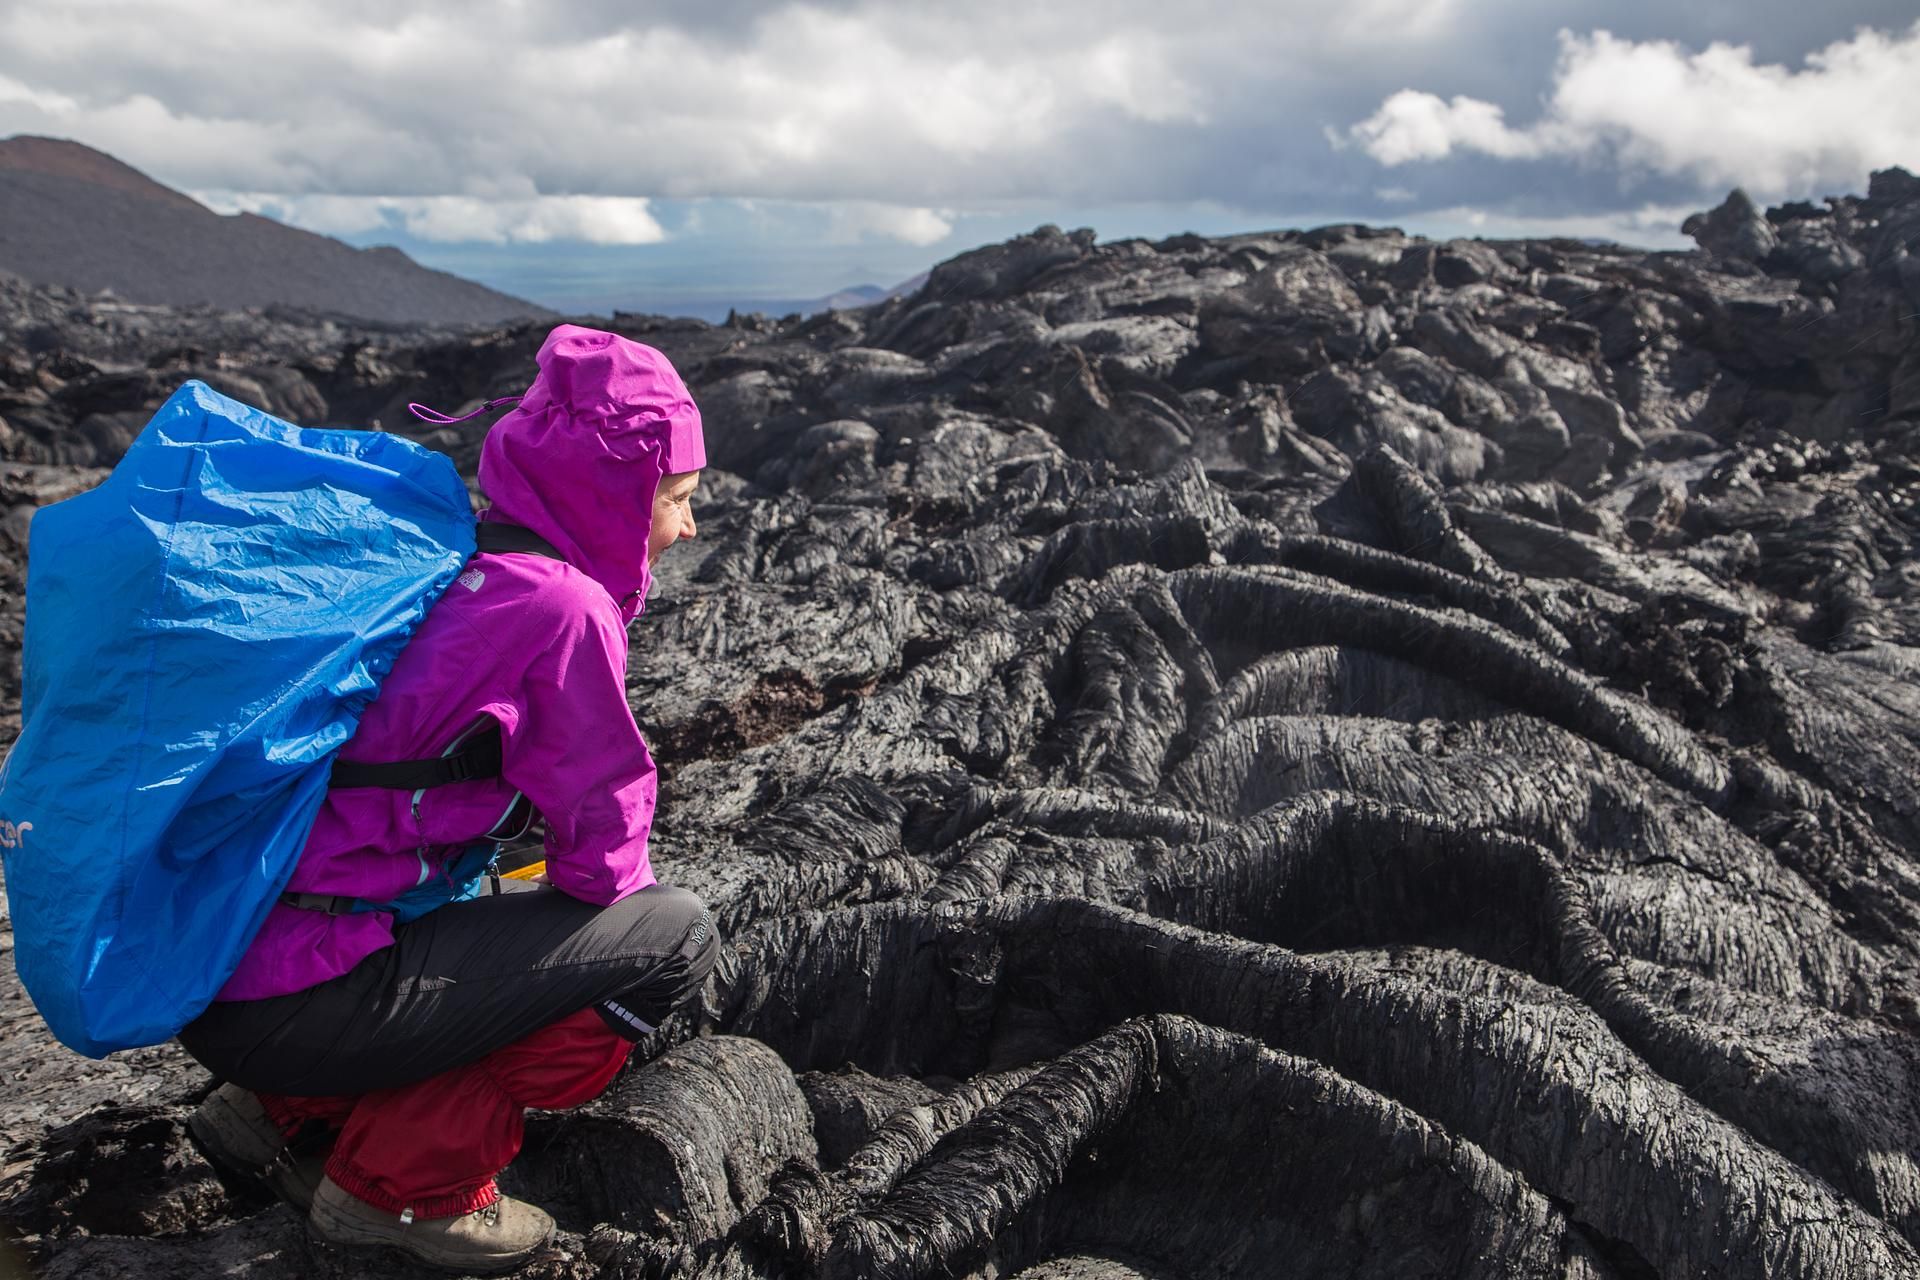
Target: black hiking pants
{"x": 461, "y": 982}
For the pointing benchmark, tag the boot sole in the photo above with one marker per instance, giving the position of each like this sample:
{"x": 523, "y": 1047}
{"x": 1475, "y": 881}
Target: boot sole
{"x": 345, "y": 1233}
{"x": 387, "y": 1251}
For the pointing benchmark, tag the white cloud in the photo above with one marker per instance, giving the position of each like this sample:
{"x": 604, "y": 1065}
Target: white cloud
{"x": 908, "y": 106}
{"x": 1650, "y": 226}
{"x": 588, "y": 219}
{"x": 328, "y": 215}
{"x": 520, "y": 219}
{"x": 1715, "y": 117}
{"x": 861, "y": 220}
{"x": 1412, "y": 125}
{"x": 24, "y": 97}
{"x": 863, "y": 120}
{"x": 1372, "y": 23}
{"x": 1132, "y": 73}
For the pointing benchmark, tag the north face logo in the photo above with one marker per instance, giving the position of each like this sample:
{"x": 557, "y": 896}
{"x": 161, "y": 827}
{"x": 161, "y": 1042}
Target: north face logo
{"x": 471, "y": 579}
{"x": 12, "y": 835}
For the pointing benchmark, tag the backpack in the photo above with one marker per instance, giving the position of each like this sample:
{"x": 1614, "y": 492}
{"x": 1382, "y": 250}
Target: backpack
{"x": 203, "y": 632}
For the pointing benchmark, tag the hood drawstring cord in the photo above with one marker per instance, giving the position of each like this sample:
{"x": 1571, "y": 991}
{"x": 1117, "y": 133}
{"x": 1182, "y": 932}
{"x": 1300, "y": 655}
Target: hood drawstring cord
{"x": 428, "y": 414}
{"x": 440, "y": 419}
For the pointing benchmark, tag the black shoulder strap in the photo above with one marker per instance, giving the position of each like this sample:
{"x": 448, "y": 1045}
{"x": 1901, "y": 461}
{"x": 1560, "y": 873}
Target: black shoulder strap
{"x": 505, "y": 539}
{"x": 479, "y": 757}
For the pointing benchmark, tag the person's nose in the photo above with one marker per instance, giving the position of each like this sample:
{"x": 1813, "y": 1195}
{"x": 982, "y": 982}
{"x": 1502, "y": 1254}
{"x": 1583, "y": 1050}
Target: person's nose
{"x": 687, "y": 529}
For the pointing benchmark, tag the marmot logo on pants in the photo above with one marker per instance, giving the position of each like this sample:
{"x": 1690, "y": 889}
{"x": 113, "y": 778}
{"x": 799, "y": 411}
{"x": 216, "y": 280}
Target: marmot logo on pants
{"x": 12, "y": 836}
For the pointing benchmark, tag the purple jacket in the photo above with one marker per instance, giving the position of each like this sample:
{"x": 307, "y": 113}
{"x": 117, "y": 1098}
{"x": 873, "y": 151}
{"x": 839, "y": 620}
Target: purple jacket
{"x": 537, "y": 644}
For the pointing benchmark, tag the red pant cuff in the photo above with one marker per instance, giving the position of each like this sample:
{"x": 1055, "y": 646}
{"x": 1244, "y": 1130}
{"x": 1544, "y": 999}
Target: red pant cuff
{"x": 284, "y": 1117}
{"x": 292, "y": 1114}
{"x": 363, "y": 1187}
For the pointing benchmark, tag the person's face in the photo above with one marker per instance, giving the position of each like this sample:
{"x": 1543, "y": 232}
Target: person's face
{"x": 672, "y": 513}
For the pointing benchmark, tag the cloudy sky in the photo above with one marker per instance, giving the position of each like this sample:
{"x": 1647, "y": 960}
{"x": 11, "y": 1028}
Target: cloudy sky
{"x": 687, "y": 154}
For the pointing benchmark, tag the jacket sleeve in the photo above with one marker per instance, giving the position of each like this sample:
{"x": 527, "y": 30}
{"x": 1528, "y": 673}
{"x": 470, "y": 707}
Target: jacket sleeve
{"x": 579, "y": 757}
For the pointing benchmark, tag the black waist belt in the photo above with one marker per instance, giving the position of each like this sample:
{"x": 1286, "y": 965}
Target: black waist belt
{"x": 332, "y": 904}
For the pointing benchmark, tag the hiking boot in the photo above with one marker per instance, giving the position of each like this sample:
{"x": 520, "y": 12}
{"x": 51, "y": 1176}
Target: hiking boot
{"x": 497, "y": 1238}
{"x": 237, "y": 1132}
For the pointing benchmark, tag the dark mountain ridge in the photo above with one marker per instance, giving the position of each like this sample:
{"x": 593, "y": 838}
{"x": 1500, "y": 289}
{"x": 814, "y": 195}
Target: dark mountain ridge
{"x": 74, "y": 216}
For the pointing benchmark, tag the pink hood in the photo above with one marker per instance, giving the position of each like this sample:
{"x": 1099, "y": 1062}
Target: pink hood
{"x": 578, "y": 461}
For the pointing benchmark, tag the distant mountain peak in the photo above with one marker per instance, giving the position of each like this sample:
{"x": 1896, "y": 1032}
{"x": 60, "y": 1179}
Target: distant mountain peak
{"x": 74, "y": 216}
{"x": 63, "y": 158}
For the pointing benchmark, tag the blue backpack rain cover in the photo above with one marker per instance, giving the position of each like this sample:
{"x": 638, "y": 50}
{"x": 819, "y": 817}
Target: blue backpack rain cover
{"x": 203, "y": 632}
